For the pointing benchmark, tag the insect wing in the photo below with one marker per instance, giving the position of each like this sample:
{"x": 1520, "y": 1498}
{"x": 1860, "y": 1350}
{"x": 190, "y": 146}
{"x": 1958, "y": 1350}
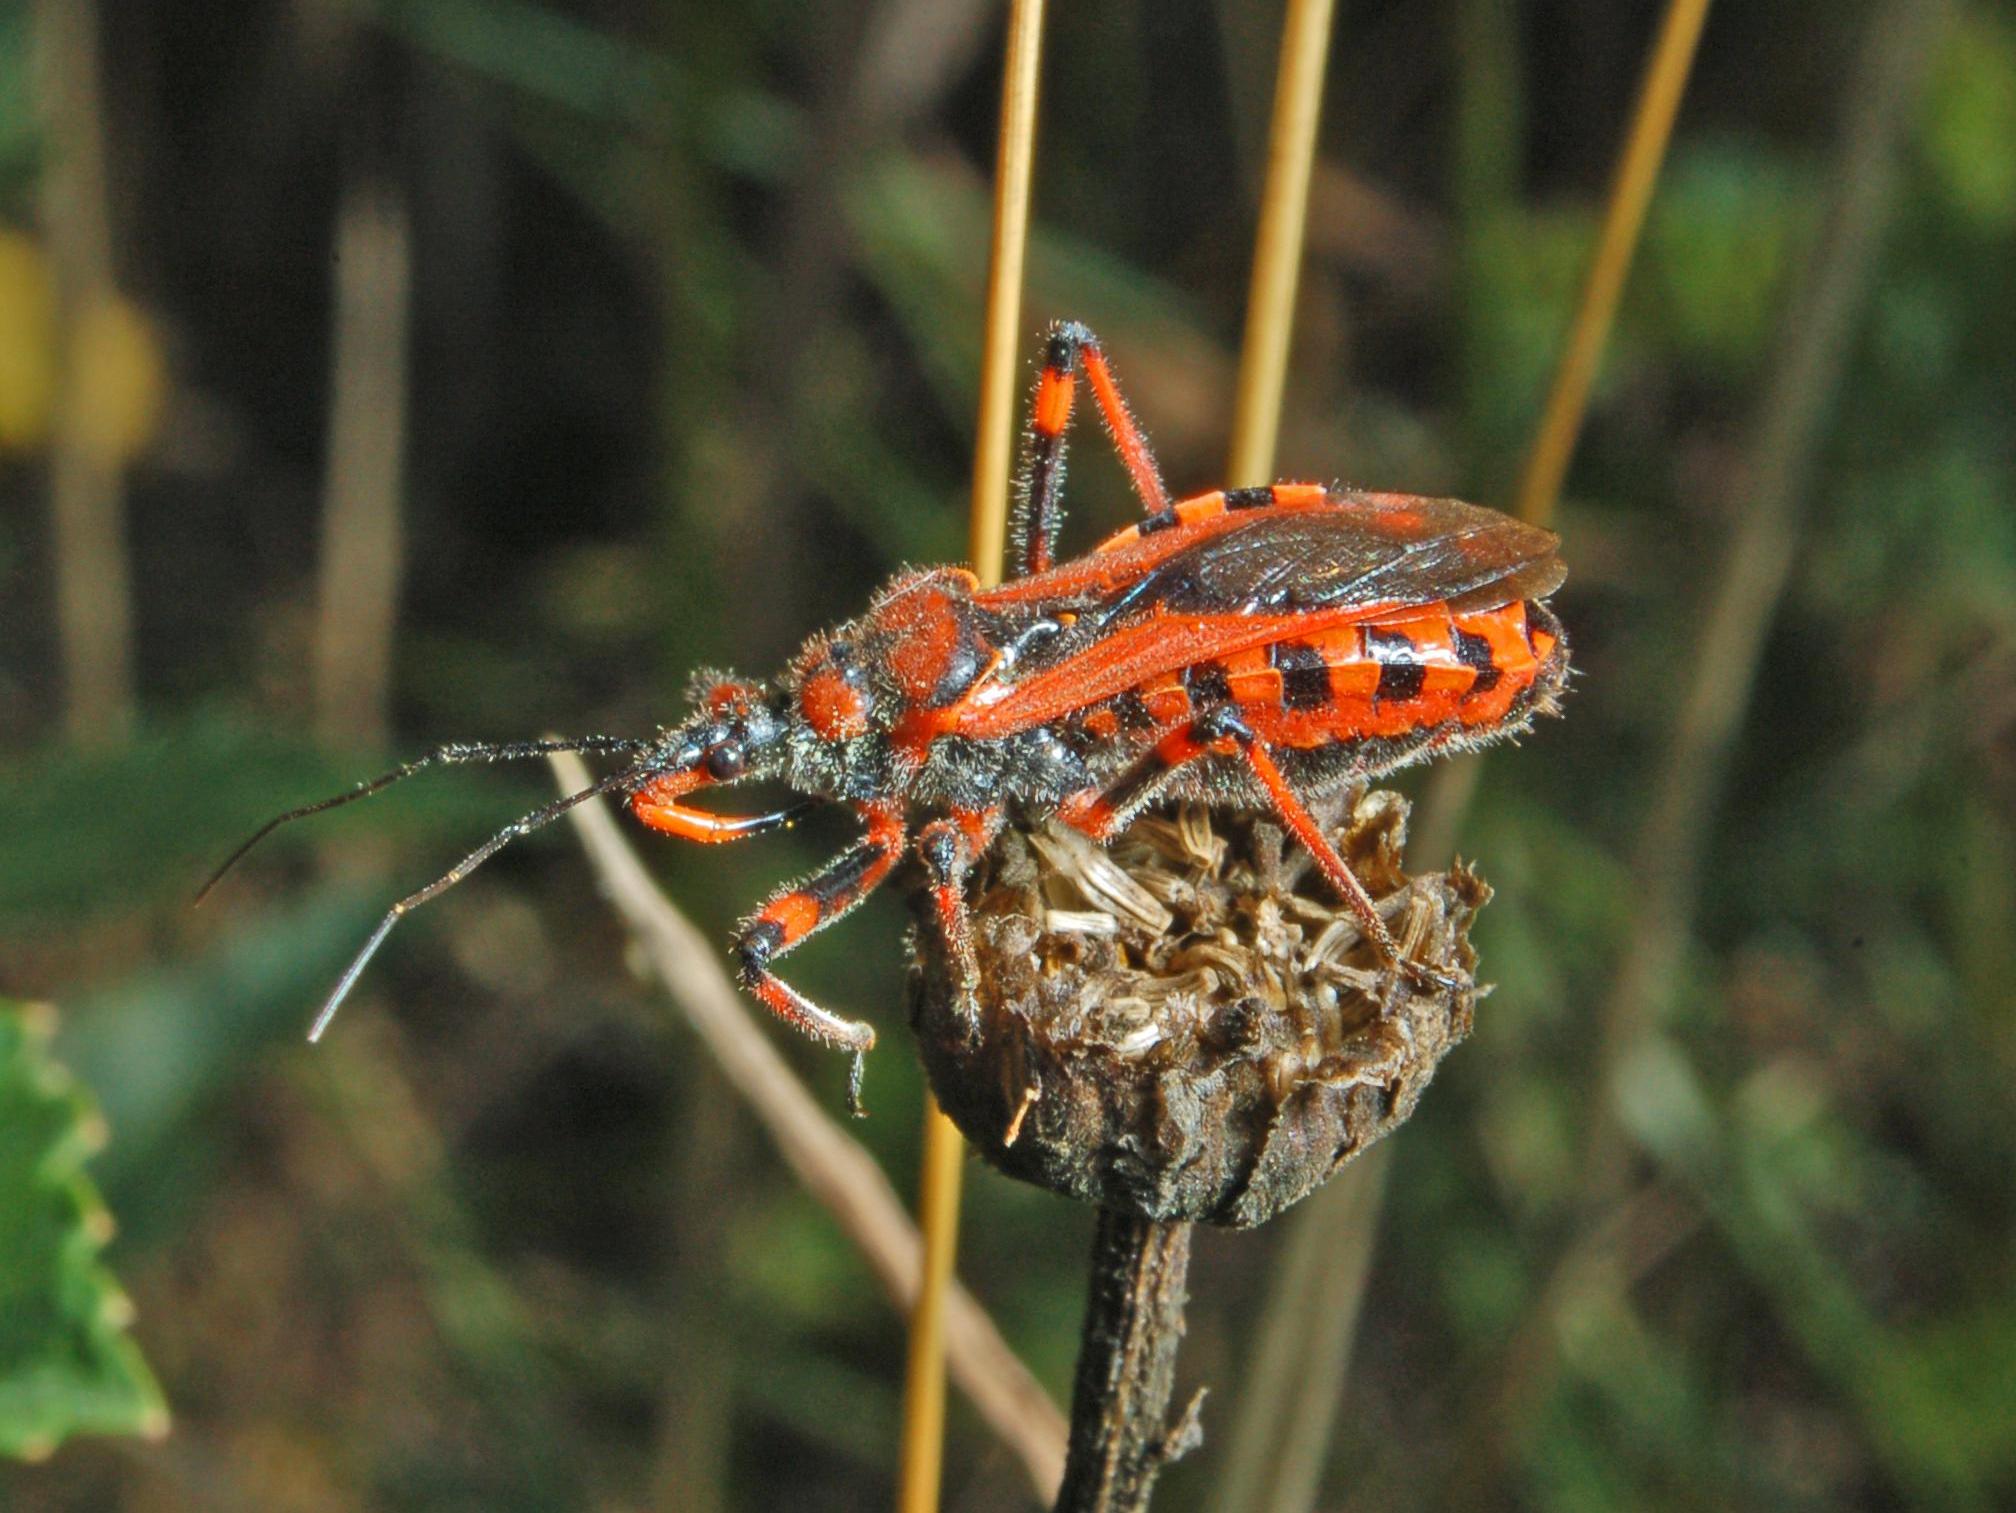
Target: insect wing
{"x": 1274, "y": 576}
{"x": 1382, "y": 552}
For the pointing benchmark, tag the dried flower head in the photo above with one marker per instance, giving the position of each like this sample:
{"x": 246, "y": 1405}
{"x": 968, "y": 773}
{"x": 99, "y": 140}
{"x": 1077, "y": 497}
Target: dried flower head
{"x": 1188, "y": 1024}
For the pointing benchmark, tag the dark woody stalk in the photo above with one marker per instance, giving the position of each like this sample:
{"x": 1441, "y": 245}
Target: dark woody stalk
{"x": 1121, "y": 1436}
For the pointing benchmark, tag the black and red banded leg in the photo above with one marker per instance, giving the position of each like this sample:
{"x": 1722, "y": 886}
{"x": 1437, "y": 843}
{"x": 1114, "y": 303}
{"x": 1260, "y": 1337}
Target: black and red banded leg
{"x": 948, "y": 848}
{"x": 1296, "y": 816}
{"x": 1100, "y": 812}
{"x": 1039, "y": 486}
{"x": 1221, "y": 731}
{"x": 797, "y": 912}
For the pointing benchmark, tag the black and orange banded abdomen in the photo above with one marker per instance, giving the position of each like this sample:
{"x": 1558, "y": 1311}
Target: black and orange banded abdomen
{"x": 1351, "y": 682}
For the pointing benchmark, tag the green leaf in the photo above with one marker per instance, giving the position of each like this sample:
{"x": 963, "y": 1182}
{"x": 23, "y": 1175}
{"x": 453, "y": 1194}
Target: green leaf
{"x": 67, "y": 1365}
{"x": 1970, "y": 118}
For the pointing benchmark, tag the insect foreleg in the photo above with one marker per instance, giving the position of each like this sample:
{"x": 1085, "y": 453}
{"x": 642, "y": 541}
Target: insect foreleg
{"x": 797, "y": 912}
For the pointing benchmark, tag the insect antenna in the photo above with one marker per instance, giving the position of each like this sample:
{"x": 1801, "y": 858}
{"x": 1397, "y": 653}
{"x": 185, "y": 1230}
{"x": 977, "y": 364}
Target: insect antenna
{"x": 524, "y": 825}
{"x": 440, "y": 756}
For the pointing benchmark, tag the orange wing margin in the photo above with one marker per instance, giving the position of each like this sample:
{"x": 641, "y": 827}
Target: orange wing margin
{"x": 1129, "y": 656}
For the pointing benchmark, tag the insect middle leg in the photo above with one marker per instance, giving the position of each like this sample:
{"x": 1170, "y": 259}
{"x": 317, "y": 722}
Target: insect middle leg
{"x": 796, "y": 912}
{"x": 1296, "y": 816}
{"x": 948, "y": 848}
{"x": 1039, "y": 487}
{"x": 1221, "y": 732}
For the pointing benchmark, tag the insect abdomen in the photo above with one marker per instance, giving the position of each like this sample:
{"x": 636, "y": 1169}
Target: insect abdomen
{"x": 1351, "y": 682}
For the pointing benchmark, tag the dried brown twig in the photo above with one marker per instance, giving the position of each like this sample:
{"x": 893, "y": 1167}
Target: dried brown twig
{"x": 943, "y": 1164}
{"x": 362, "y": 531}
{"x": 829, "y": 1162}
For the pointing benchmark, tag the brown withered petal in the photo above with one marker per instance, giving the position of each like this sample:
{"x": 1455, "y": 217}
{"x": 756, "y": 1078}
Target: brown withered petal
{"x": 1189, "y": 1024}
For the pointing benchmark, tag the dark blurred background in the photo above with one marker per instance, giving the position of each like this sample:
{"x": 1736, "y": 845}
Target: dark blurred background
{"x": 478, "y": 368}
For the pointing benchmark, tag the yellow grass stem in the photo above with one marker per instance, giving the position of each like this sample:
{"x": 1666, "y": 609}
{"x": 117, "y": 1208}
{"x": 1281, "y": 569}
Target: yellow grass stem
{"x": 944, "y": 1150}
{"x": 1278, "y": 1458}
{"x": 1265, "y": 1432}
{"x": 999, "y": 388}
{"x": 1277, "y": 246}
{"x": 87, "y": 497}
{"x": 1630, "y": 195}
{"x": 1449, "y": 792}
{"x": 1687, "y": 791}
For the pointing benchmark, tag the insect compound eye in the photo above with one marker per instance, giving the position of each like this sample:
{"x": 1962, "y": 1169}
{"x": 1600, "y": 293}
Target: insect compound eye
{"x": 727, "y": 760}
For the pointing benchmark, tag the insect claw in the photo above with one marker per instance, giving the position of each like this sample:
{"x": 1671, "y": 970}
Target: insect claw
{"x": 855, "y": 1072}
{"x": 1424, "y": 976}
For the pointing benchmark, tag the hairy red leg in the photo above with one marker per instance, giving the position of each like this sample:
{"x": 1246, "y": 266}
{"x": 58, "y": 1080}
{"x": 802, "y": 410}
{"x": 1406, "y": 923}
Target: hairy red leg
{"x": 1296, "y": 816}
{"x": 794, "y": 913}
{"x": 949, "y": 847}
{"x": 1040, "y": 485}
{"x": 1220, "y": 732}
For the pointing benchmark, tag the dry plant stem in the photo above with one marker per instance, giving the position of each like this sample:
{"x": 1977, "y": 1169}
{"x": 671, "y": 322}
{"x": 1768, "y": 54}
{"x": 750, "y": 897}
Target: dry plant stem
{"x": 1285, "y": 1476}
{"x": 1295, "y": 1381}
{"x": 1286, "y": 1355}
{"x": 361, "y": 531}
{"x": 1014, "y": 163}
{"x": 1630, "y": 195}
{"x": 1121, "y": 1436}
{"x": 87, "y": 509}
{"x": 1134, "y": 1315}
{"x": 941, "y": 1173}
{"x": 829, "y": 1162}
{"x": 1667, "y": 855}
{"x": 1455, "y": 783}
{"x": 1277, "y": 246}
{"x": 922, "y": 1456}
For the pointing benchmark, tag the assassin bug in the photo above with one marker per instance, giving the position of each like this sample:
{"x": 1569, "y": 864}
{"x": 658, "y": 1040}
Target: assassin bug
{"x": 1247, "y": 647}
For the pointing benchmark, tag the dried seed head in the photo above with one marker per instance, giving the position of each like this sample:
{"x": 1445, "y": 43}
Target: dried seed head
{"x": 1188, "y": 1024}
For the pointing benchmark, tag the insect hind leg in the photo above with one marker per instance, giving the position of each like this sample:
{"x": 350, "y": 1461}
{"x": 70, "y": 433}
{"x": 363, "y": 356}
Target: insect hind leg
{"x": 1039, "y": 488}
{"x": 1220, "y": 731}
{"x": 1302, "y": 824}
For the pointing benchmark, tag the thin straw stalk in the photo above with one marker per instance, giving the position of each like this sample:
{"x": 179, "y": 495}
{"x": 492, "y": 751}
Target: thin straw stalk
{"x": 922, "y": 1452}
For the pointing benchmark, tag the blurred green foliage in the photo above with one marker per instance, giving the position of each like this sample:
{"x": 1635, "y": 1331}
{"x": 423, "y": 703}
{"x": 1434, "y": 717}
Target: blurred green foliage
{"x": 695, "y": 332}
{"x": 67, "y": 1364}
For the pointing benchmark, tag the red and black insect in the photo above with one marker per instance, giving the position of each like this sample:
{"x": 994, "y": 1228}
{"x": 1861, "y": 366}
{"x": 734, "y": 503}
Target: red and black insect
{"x": 1248, "y": 647}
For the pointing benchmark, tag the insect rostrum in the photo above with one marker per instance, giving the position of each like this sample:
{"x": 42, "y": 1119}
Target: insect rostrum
{"x": 1251, "y": 649}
